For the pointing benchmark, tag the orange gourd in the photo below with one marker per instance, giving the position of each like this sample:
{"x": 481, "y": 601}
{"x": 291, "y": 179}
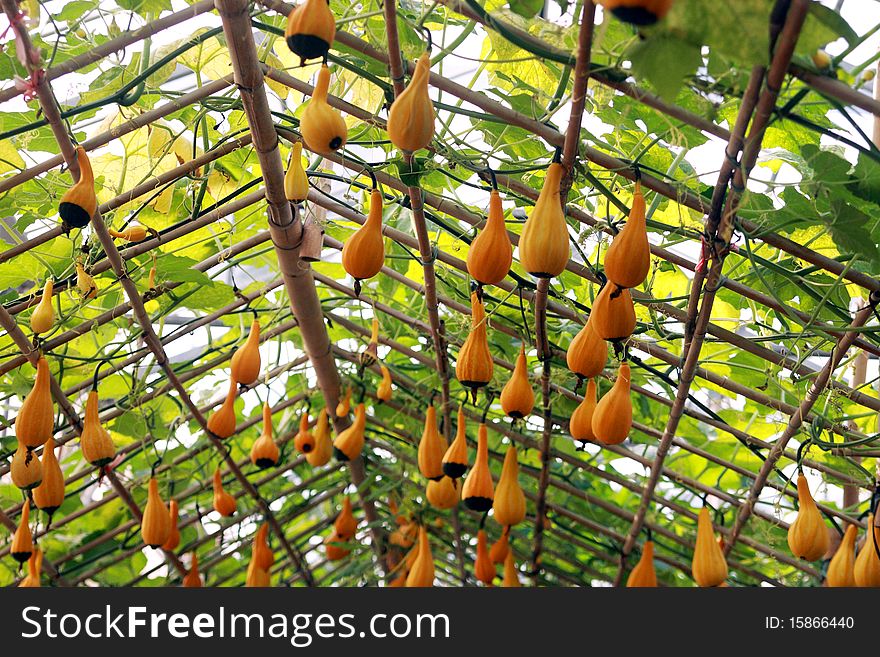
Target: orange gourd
{"x": 612, "y": 418}
{"x": 224, "y": 503}
{"x": 369, "y": 355}
{"x": 411, "y": 117}
{"x": 491, "y": 253}
{"x": 421, "y": 573}
{"x": 256, "y": 577}
{"x": 383, "y": 391}
{"x": 49, "y": 495}
{"x": 363, "y": 253}
{"x": 628, "y": 259}
{"x": 335, "y": 552}
{"x": 26, "y": 469}
{"x": 510, "y": 501}
{"x": 222, "y": 421}
{"x": 517, "y": 396}
{"x": 264, "y": 451}
{"x": 34, "y": 423}
{"x": 443, "y": 493}
{"x": 22, "y": 543}
{"x": 345, "y": 524}
{"x": 807, "y": 536}
{"x": 613, "y": 315}
{"x": 43, "y": 317}
{"x": 79, "y": 202}
{"x": 511, "y": 575}
{"x": 474, "y": 367}
{"x": 95, "y": 441}
{"x": 581, "y": 424}
{"x": 296, "y": 182}
{"x": 638, "y": 12}
{"x": 455, "y": 460}
{"x": 35, "y": 567}
{"x": 841, "y": 570}
{"x": 156, "y": 521}
{"x": 709, "y": 567}
{"x": 543, "y": 246}
{"x": 343, "y": 407}
{"x": 321, "y": 126}
{"x": 500, "y": 548}
{"x": 262, "y": 553}
{"x": 86, "y": 285}
{"x": 399, "y": 581}
{"x": 134, "y": 233}
{"x": 484, "y": 569}
{"x": 174, "y": 535}
{"x": 192, "y": 580}
{"x": 304, "y": 442}
{"x": 587, "y": 353}
{"x": 432, "y": 447}
{"x": 349, "y": 444}
{"x": 246, "y": 364}
{"x": 323, "y": 445}
{"x": 644, "y": 575}
{"x": 866, "y": 570}
{"x": 310, "y": 29}
{"x": 478, "y": 491}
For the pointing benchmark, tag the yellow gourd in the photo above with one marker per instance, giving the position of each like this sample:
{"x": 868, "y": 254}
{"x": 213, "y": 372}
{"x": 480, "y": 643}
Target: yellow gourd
{"x": 345, "y": 524}
{"x": 245, "y": 365}
{"x": 841, "y": 569}
{"x": 335, "y": 552}
{"x": 304, "y": 442}
{"x": 411, "y": 117}
{"x": 222, "y": 421}
{"x": 80, "y": 202}
{"x": 262, "y": 553}
{"x": 174, "y": 535}
{"x": 866, "y": 570}
{"x": 421, "y": 573}
{"x": 612, "y": 418}
{"x": 86, "y": 285}
{"x": 35, "y": 567}
{"x": 363, "y": 253}
{"x": 296, "y": 182}
{"x": 26, "y": 469}
{"x": 478, "y": 491}
{"x": 134, "y": 233}
{"x": 807, "y": 536}
{"x": 709, "y": 566}
{"x": 517, "y": 396}
{"x": 349, "y": 444}
{"x": 500, "y": 548}
{"x": 383, "y": 391}
{"x": 49, "y": 495}
{"x": 224, "y": 503}
{"x": 613, "y": 315}
{"x": 34, "y": 423}
{"x": 628, "y": 259}
{"x": 587, "y": 353}
{"x": 321, "y": 126}
{"x": 22, "y": 543}
{"x": 432, "y": 447}
{"x": 581, "y": 424}
{"x": 510, "y": 501}
{"x": 511, "y": 575}
{"x": 455, "y": 460}
{"x": 491, "y": 253}
{"x": 474, "y": 367}
{"x": 543, "y": 246}
{"x": 264, "y": 451}
{"x": 192, "y": 580}
{"x": 43, "y": 317}
{"x": 156, "y": 521}
{"x": 484, "y": 569}
{"x": 343, "y": 408}
{"x": 256, "y": 577}
{"x": 638, "y": 12}
{"x": 644, "y": 575}
{"x": 310, "y": 29}
{"x": 443, "y": 493}
{"x": 95, "y": 441}
{"x": 323, "y": 445}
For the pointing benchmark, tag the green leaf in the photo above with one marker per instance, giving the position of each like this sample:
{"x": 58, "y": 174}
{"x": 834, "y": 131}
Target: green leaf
{"x": 526, "y": 8}
{"x": 665, "y": 62}
{"x": 849, "y": 229}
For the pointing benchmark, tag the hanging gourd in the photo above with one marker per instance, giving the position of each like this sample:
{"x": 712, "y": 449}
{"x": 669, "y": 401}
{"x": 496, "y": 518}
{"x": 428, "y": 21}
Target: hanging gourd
{"x": 613, "y": 315}
{"x": 304, "y": 441}
{"x": 421, "y": 573}
{"x": 432, "y": 447}
{"x": 478, "y": 491}
{"x": 511, "y": 575}
{"x": 383, "y": 390}
{"x": 264, "y": 451}
{"x": 628, "y": 259}
{"x": 517, "y": 396}
{"x": 405, "y": 535}
{"x": 644, "y": 575}
{"x": 345, "y": 524}
{"x": 510, "y": 501}
{"x": 43, "y": 317}
{"x": 245, "y": 365}
{"x": 484, "y": 569}
{"x": 262, "y": 553}
{"x": 581, "y": 424}
{"x": 323, "y": 450}
{"x": 455, "y": 460}
{"x": 709, "y": 567}
{"x": 474, "y": 367}
{"x": 26, "y": 469}
{"x": 807, "y": 536}
{"x": 587, "y": 353}
{"x": 399, "y": 581}
{"x": 151, "y": 277}
{"x": 349, "y": 444}
{"x": 500, "y": 548}
{"x": 296, "y": 182}
{"x": 80, "y": 202}
{"x": 491, "y": 253}
{"x": 841, "y": 569}
{"x": 34, "y": 423}
{"x": 638, "y": 12}
{"x": 543, "y": 246}
{"x": 192, "y": 579}
{"x": 866, "y": 570}
{"x": 334, "y": 550}
{"x": 86, "y": 285}
{"x": 133, "y": 233}
{"x": 321, "y": 126}
{"x": 156, "y": 521}
{"x": 224, "y": 503}
{"x": 371, "y": 353}
{"x": 35, "y": 567}
{"x": 411, "y": 117}
{"x": 222, "y": 421}
{"x": 444, "y": 493}
{"x": 310, "y": 30}
{"x": 174, "y": 535}
{"x": 256, "y": 577}
{"x": 363, "y": 253}
{"x": 343, "y": 407}
{"x": 49, "y": 495}
{"x": 95, "y": 441}
{"x": 612, "y": 417}
{"x": 22, "y": 543}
